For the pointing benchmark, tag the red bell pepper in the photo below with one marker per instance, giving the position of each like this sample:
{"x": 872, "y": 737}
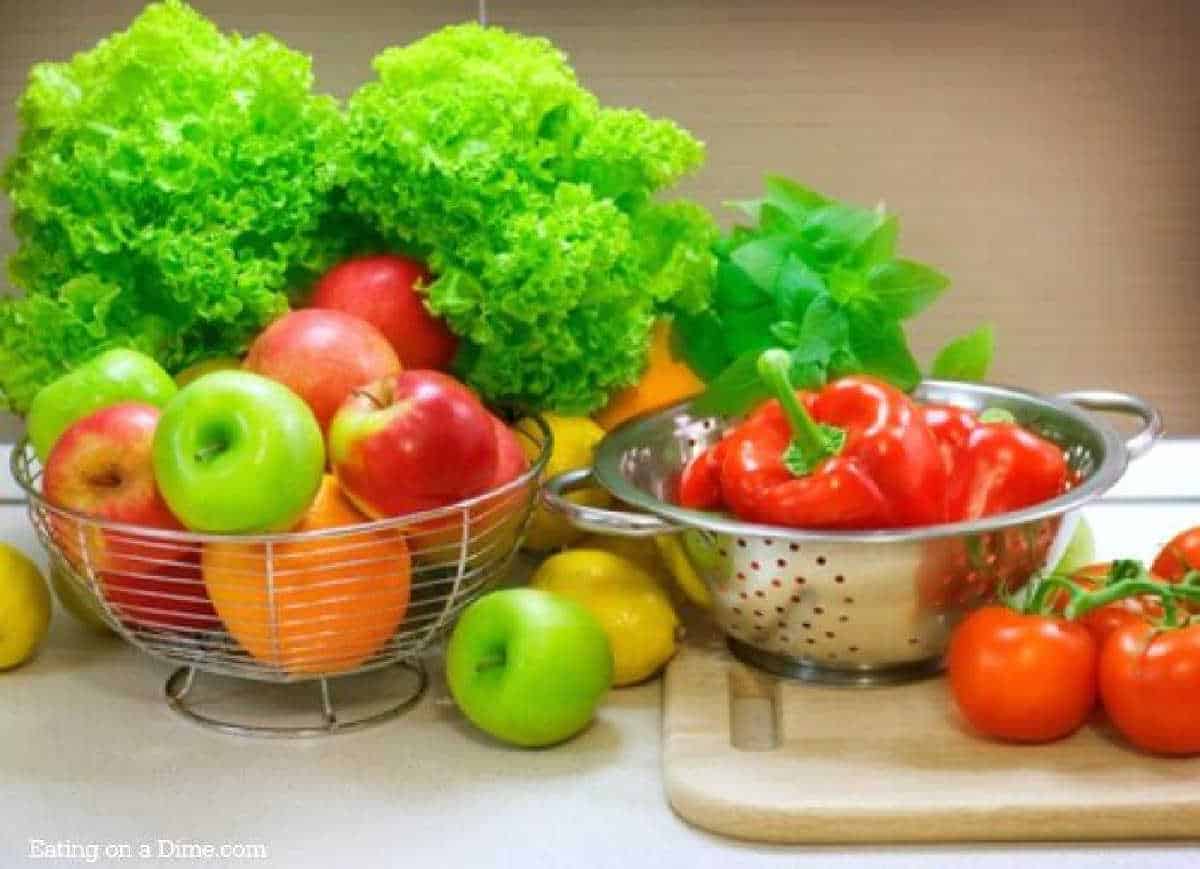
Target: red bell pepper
{"x": 1008, "y": 468}
{"x": 994, "y": 466}
{"x": 855, "y": 455}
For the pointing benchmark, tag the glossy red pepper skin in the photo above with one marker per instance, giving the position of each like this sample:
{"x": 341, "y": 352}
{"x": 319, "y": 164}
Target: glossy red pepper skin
{"x": 759, "y": 487}
{"x": 888, "y": 474}
{"x": 952, "y": 427}
{"x": 887, "y": 436}
{"x": 700, "y": 483}
{"x": 1008, "y": 468}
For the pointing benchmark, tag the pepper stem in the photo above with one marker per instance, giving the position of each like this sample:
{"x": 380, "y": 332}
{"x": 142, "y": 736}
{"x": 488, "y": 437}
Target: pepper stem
{"x": 811, "y": 443}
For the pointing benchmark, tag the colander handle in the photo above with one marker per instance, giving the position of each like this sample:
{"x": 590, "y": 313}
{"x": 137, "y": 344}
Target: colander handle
{"x": 1107, "y": 401}
{"x": 596, "y": 519}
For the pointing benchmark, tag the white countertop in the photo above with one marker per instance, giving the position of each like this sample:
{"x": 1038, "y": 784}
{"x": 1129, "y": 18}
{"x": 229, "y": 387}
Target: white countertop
{"x": 91, "y": 755}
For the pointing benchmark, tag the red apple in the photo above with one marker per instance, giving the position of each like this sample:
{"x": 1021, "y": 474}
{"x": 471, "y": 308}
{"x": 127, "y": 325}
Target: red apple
{"x": 494, "y": 519}
{"x": 101, "y": 466}
{"x": 322, "y": 356}
{"x": 383, "y": 290}
{"x": 413, "y": 441}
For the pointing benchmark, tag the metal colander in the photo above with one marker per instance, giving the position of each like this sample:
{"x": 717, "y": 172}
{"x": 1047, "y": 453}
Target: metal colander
{"x": 858, "y": 607}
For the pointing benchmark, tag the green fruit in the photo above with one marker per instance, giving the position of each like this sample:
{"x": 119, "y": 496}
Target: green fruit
{"x": 1080, "y": 552}
{"x": 74, "y": 601}
{"x": 112, "y": 377}
{"x": 527, "y": 666}
{"x": 235, "y": 452}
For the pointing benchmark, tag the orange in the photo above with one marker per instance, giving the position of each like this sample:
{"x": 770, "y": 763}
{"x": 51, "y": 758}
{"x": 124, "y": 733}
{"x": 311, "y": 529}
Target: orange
{"x": 665, "y": 381}
{"x": 337, "y": 600}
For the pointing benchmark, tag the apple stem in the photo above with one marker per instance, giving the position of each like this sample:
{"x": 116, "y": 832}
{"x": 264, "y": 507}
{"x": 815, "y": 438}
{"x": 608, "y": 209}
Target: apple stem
{"x": 362, "y": 393}
{"x": 205, "y": 453}
{"x": 490, "y": 663}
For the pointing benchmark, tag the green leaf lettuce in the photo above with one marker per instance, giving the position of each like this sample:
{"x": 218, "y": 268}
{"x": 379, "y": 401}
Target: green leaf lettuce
{"x": 535, "y": 209}
{"x": 167, "y": 190}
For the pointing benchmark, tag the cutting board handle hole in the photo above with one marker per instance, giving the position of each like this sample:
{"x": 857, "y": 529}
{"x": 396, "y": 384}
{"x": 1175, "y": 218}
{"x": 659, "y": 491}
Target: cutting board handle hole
{"x": 754, "y": 721}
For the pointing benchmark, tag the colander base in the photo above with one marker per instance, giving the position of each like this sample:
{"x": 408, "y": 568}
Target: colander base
{"x": 803, "y": 670}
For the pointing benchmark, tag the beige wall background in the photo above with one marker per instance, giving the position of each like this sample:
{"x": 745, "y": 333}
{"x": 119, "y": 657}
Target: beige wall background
{"x": 1044, "y": 154}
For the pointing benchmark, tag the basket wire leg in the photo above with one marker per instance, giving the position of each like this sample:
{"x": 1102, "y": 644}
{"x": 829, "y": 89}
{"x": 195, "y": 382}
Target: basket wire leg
{"x": 180, "y": 684}
{"x": 331, "y": 721}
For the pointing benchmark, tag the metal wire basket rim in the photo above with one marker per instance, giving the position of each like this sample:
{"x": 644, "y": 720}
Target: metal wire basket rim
{"x": 627, "y": 436}
{"x": 531, "y": 474}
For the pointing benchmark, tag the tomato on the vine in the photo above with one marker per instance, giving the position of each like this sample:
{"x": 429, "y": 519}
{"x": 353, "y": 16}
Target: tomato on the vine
{"x": 1023, "y": 678}
{"x": 1179, "y": 557}
{"x": 1150, "y": 686}
{"x": 1107, "y": 619}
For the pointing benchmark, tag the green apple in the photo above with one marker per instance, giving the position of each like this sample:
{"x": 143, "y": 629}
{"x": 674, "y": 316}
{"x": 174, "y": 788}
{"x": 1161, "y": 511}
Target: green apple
{"x": 235, "y": 452}
{"x": 1080, "y": 551}
{"x": 112, "y": 377}
{"x": 528, "y": 667}
{"x": 76, "y": 602}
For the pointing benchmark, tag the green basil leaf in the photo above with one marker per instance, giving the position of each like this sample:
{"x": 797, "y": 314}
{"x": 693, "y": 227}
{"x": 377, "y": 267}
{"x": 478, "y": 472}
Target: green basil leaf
{"x": 812, "y": 350}
{"x": 826, "y": 320}
{"x": 762, "y": 258}
{"x": 700, "y": 341}
{"x": 752, "y": 208}
{"x": 880, "y": 245}
{"x": 748, "y": 330}
{"x": 737, "y": 237}
{"x": 796, "y": 287}
{"x": 786, "y": 333}
{"x": 735, "y": 289}
{"x": 794, "y": 200}
{"x": 905, "y": 288}
{"x": 832, "y": 233}
{"x": 806, "y": 375}
{"x": 879, "y": 345}
{"x": 966, "y": 358}
{"x": 734, "y": 391}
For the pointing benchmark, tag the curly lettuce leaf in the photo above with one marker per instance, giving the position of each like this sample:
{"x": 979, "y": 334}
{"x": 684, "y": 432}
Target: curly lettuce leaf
{"x": 535, "y": 208}
{"x": 183, "y": 171}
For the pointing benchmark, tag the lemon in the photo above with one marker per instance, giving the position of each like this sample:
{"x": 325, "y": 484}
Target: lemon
{"x": 24, "y": 607}
{"x": 575, "y": 439}
{"x": 677, "y": 556}
{"x": 642, "y": 551}
{"x": 630, "y": 605}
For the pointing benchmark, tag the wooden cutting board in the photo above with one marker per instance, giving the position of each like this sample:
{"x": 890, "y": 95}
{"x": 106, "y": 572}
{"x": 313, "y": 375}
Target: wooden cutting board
{"x": 752, "y": 757}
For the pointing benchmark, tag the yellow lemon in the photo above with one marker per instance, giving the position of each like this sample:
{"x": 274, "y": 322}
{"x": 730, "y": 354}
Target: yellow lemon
{"x": 575, "y": 439}
{"x": 630, "y": 605}
{"x": 642, "y": 551}
{"x": 24, "y": 607}
{"x": 676, "y": 555}
{"x": 666, "y": 557}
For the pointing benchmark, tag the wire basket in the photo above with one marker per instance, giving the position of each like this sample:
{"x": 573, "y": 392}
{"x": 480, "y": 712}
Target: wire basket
{"x": 293, "y": 606}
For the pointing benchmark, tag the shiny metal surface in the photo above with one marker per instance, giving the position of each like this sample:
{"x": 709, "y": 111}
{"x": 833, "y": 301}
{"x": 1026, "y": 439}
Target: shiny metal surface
{"x": 862, "y": 607}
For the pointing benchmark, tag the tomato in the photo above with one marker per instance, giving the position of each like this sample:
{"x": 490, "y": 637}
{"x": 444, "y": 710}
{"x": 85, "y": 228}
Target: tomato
{"x": 1180, "y": 555}
{"x": 1022, "y": 678}
{"x": 1106, "y": 619}
{"x": 1150, "y": 687}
